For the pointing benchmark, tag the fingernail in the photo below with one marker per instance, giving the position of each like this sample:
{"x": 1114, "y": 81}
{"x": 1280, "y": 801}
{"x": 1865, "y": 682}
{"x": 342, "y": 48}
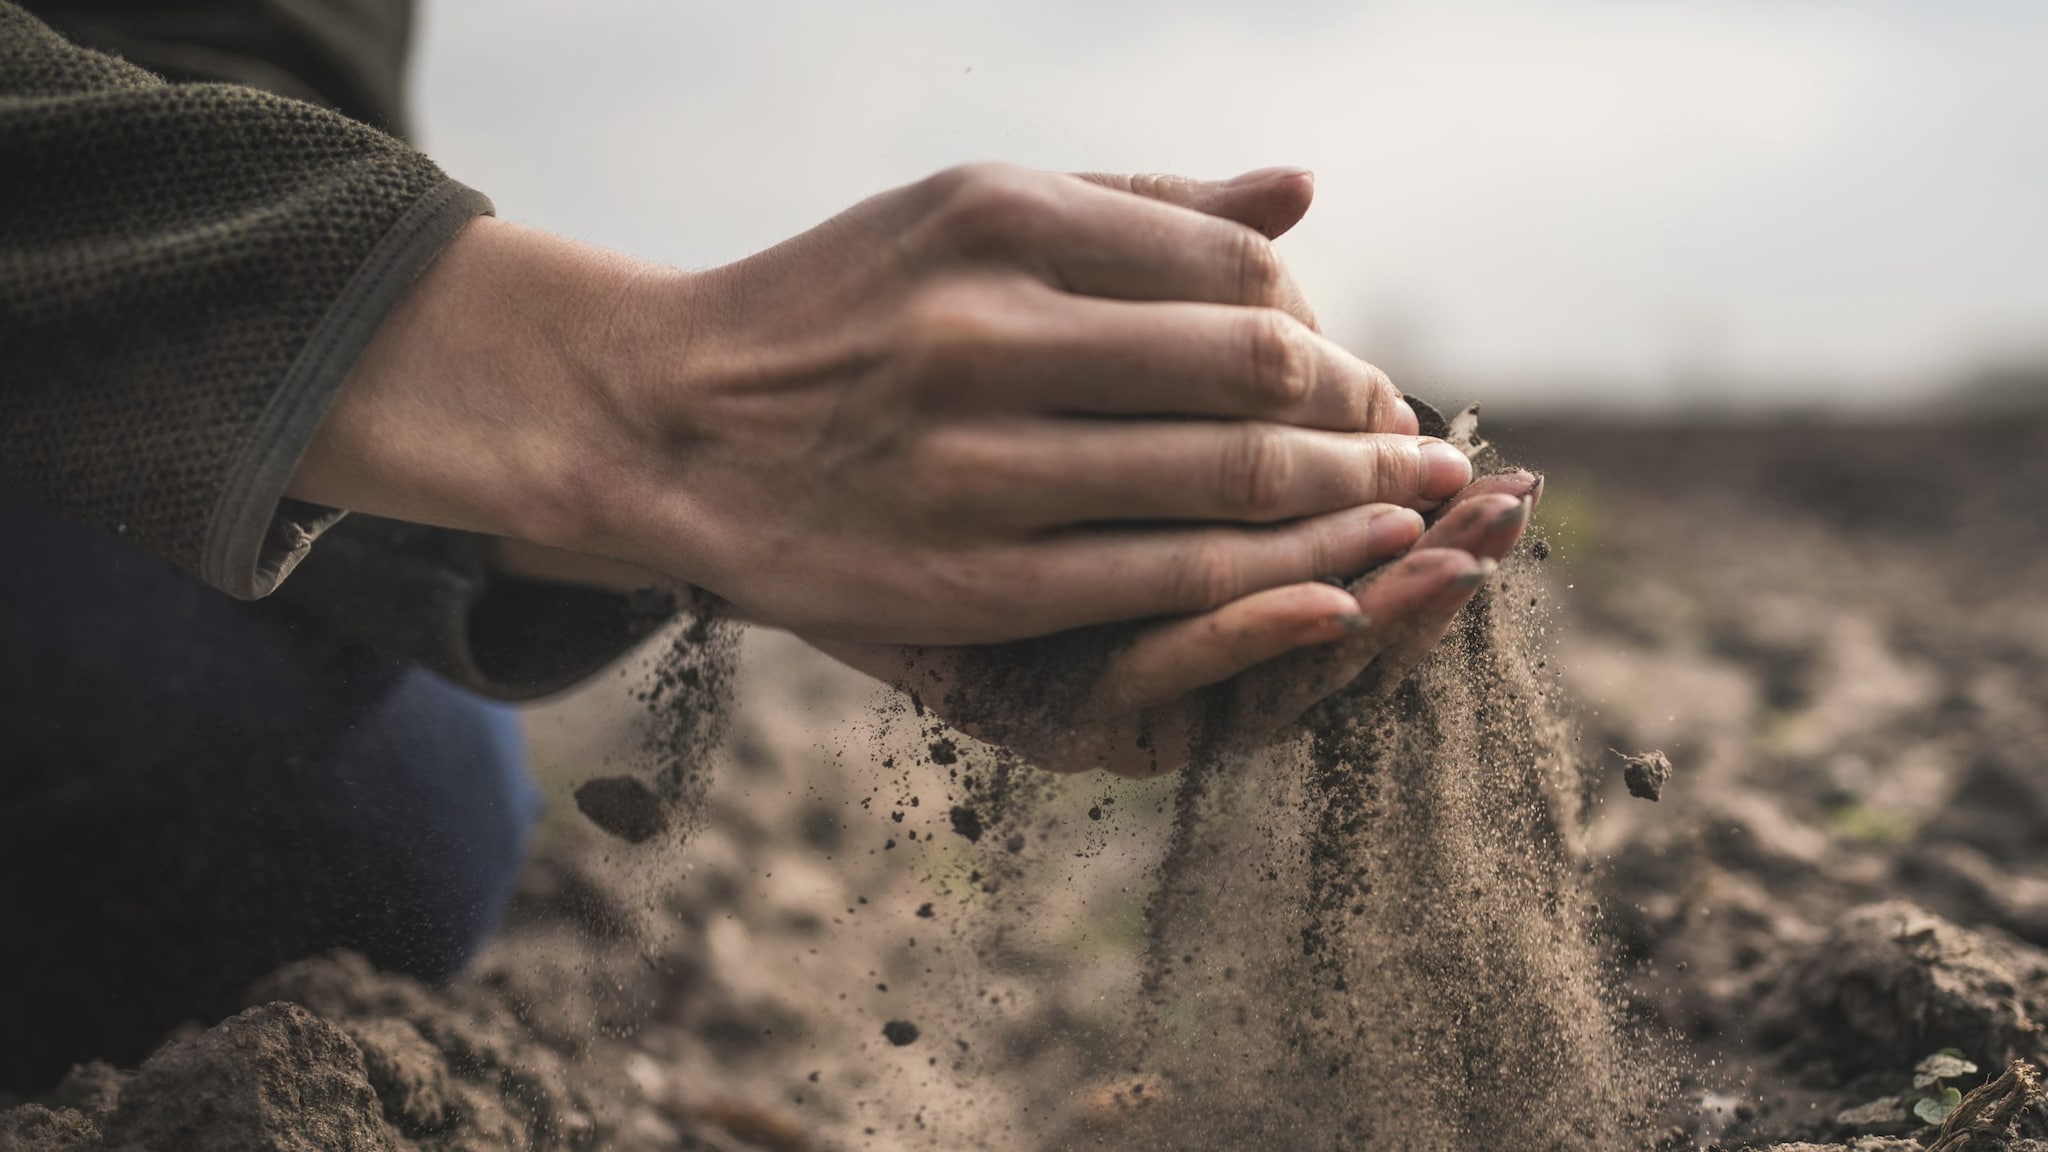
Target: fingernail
{"x": 1512, "y": 516}
{"x": 1474, "y": 577}
{"x": 1263, "y": 175}
{"x": 1393, "y": 530}
{"x": 1327, "y": 629}
{"x": 1445, "y": 470}
{"x": 1535, "y": 482}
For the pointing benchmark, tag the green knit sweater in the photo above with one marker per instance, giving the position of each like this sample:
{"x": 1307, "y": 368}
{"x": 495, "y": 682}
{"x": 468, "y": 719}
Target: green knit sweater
{"x": 188, "y": 271}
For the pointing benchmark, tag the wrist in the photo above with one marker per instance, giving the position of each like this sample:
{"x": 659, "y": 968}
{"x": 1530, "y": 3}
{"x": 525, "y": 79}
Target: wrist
{"x": 487, "y": 400}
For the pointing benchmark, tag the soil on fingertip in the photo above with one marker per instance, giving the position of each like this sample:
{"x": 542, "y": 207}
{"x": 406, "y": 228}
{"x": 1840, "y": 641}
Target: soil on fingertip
{"x": 1436, "y": 919}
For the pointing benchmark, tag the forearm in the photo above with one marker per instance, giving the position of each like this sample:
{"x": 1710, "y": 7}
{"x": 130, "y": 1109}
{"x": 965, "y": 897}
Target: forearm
{"x": 955, "y": 413}
{"x": 483, "y": 402}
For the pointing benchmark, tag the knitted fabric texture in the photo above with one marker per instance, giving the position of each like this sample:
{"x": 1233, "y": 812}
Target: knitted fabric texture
{"x": 186, "y": 274}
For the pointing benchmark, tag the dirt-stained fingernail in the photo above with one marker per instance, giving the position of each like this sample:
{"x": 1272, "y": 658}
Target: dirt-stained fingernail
{"x": 1353, "y": 622}
{"x": 1517, "y": 515}
{"x": 1445, "y": 470}
{"x": 1475, "y": 576}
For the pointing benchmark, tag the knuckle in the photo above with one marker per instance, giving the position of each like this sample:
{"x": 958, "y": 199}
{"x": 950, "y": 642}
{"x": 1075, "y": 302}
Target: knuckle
{"x": 989, "y": 208}
{"x": 1257, "y": 472}
{"x": 945, "y": 331}
{"x": 1396, "y": 469}
{"x": 1206, "y": 575}
{"x": 1281, "y": 362}
{"x": 946, "y": 185}
{"x": 974, "y": 592}
{"x": 1380, "y": 395}
{"x": 1325, "y": 553}
{"x": 1146, "y": 184}
{"x": 1259, "y": 274}
{"x": 1162, "y": 186}
{"x": 946, "y": 473}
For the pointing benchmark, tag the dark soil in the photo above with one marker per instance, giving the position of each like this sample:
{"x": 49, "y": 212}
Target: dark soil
{"x": 1840, "y": 636}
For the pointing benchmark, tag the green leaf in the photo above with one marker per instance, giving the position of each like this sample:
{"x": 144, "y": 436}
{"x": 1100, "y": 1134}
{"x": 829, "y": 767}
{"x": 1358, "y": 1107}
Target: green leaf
{"x": 1946, "y": 1064}
{"x": 1935, "y": 1109}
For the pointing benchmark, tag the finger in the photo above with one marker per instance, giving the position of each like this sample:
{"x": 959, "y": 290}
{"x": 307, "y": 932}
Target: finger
{"x": 1401, "y": 657}
{"x": 1101, "y": 577}
{"x": 1269, "y": 200}
{"x": 1514, "y": 482}
{"x": 1065, "y": 472}
{"x": 1487, "y": 526}
{"x": 1119, "y": 358}
{"x": 1415, "y": 595}
{"x": 1128, "y": 743}
{"x": 1173, "y": 658}
{"x": 1092, "y": 241}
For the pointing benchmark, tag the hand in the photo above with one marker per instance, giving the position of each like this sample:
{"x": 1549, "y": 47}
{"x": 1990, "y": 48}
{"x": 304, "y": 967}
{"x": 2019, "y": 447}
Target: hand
{"x": 991, "y": 405}
{"x": 1234, "y": 677}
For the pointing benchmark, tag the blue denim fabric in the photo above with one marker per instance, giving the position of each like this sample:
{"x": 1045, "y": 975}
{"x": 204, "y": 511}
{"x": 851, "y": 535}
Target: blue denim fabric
{"x": 194, "y": 790}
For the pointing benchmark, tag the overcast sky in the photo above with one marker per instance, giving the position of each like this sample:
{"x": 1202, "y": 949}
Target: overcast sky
{"x": 1673, "y": 202}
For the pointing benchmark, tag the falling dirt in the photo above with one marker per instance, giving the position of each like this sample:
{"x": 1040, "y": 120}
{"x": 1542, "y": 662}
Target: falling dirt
{"x": 1432, "y": 920}
{"x": 1379, "y": 936}
{"x": 689, "y": 705}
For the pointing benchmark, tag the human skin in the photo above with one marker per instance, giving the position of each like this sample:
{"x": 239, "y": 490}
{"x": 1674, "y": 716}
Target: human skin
{"x": 992, "y": 405}
{"x": 1275, "y": 653}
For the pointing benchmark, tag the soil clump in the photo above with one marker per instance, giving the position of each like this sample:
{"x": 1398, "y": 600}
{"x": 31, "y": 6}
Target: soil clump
{"x": 1646, "y": 774}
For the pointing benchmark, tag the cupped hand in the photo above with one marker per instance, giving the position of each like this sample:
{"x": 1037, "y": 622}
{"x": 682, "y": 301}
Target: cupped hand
{"x": 1238, "y": 675}
{"x": 1004, "y": 403}
{"x": 992, "y": 405}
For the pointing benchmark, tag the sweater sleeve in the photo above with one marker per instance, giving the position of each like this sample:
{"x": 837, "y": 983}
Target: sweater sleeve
{"x": 187, "y": 274}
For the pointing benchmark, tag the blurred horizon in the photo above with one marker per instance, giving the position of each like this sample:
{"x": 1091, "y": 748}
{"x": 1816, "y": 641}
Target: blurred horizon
{"x": 1656, "y": 207}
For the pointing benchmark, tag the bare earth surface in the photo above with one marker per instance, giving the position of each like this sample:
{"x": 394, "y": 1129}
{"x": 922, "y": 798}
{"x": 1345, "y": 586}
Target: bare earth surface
{"x": 1838, "y": 636}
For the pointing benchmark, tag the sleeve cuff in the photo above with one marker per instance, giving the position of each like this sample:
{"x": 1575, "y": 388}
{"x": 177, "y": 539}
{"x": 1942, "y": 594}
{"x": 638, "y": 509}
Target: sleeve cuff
{"x": 433, "y": 597}
{"x": 256, "y": 535}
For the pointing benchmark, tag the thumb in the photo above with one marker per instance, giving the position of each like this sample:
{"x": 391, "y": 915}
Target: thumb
{"x": 1269, "y": 200}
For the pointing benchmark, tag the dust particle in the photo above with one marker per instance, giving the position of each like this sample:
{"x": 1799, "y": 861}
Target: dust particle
{"x": 901, "y": 1033}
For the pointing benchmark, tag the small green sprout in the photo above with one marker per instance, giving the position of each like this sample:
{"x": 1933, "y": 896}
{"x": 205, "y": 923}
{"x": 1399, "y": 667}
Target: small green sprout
{"x": 1938, "y": 1099}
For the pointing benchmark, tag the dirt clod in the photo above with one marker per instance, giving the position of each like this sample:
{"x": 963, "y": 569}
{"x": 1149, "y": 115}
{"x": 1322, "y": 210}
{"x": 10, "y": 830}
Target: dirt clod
{"x": 409, "y": 1075}
{"x": 1893, "y": 982}
{"x": 40, "y": 1128}
{"x": 901, "y": 1033}
{"x": 276, "y": 1078}
{"x": 1645, "y": 774}
{"x": 624, "y": 806}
